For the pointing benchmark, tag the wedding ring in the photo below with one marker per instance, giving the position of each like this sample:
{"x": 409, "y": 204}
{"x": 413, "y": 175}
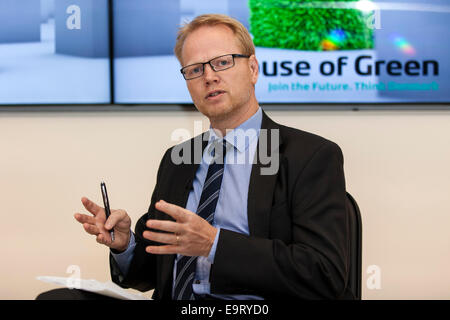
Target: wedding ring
{"x": 178, "y": 239}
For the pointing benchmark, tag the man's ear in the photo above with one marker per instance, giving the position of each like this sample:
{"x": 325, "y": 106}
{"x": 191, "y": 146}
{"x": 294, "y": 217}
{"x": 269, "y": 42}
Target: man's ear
{"x": 254, "y": 68}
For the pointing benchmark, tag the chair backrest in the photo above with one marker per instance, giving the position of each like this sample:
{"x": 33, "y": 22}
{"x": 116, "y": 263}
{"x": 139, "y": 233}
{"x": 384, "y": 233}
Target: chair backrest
{"x": 355, "y": 224}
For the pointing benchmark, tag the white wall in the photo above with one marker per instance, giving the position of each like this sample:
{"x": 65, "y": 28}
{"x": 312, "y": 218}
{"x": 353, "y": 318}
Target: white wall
{"x": 396, "y": 164}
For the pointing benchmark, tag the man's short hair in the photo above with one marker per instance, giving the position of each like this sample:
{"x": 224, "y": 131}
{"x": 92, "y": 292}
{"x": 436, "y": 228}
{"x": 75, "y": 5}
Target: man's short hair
{"x": 241, "y": 33}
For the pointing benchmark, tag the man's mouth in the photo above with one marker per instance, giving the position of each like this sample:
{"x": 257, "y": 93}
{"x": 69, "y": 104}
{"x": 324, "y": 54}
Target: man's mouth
{"x": 214, "y": 93}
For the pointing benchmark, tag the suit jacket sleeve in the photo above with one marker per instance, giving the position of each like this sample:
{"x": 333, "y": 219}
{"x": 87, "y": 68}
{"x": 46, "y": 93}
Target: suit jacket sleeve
{"x": 142, "y": 272}
{"x": 314, "y": 264}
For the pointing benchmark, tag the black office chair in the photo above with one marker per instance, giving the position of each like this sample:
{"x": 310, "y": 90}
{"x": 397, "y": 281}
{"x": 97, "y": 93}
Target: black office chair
{"x": 355, "y": 224}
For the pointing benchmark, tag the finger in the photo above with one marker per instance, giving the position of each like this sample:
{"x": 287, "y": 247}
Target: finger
{"x": 83, "y": 218}
{"x": 91, "y": 206}
{"x": 168, "y": 238}
{"x": 176, "y": 212}
{"x": 169, "y": 226}
{"x": 91, "y": 229}
{"x": 102, "y": 239}
{"x": 114, "y": 218}
{"x": 169, "y": 249}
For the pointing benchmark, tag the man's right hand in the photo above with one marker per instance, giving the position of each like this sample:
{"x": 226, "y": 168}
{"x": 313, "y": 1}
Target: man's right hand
{"x": 98, "y": 226}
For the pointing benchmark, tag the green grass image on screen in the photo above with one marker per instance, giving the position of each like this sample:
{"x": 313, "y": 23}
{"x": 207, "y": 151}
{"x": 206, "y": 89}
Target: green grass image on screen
{"x": 312, "y": 25}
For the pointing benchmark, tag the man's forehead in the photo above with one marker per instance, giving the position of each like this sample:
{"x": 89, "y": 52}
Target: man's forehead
{"x": 208, "y": 42}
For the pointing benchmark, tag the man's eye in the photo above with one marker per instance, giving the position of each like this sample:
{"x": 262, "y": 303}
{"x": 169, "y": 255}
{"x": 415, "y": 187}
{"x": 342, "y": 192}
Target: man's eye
{"x": 194, "y": 71}
{"x": 223, "y": 62}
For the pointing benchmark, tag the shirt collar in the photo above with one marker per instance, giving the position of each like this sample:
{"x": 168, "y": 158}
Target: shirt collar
{"x": 241, "y": 136}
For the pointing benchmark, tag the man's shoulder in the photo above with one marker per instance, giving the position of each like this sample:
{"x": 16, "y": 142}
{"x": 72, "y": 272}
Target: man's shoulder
{"x": 301, "y": 140}
{"x": 301, "y": 148}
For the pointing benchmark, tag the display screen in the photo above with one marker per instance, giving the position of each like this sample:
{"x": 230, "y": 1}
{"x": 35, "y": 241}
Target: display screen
{"x": 332, "y": 52}
{"x": 54, "y": 52}
{"x": 308, "y": 51}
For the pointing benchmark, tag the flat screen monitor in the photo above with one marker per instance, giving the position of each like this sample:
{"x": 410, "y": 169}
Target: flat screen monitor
{"x": 54, "y": 52}
{"x": 308, "y": 51}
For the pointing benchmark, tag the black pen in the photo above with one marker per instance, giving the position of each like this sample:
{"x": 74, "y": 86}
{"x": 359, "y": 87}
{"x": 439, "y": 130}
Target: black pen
{"x": 106, "y": 204}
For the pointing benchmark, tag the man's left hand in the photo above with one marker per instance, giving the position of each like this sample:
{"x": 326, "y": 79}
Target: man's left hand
{"x": 189, "y": 234}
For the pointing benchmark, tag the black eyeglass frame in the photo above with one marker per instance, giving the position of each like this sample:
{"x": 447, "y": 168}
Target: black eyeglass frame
{"x": 233, "y": 55}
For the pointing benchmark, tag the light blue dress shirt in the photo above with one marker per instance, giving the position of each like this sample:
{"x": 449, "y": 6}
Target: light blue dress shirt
{"x": 231, "y": 209}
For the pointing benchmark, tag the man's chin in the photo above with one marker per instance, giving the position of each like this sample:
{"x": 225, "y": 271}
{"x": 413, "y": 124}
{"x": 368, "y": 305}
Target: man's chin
{"x": 216, "y": 112}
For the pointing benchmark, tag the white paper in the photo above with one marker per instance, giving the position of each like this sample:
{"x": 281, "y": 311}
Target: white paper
{"x": 108, "y": 288}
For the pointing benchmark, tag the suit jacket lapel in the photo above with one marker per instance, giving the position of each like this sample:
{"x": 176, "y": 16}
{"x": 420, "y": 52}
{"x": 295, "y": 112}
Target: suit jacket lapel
{"x": 185, "y": 172}
{"x": 261, "y": 187}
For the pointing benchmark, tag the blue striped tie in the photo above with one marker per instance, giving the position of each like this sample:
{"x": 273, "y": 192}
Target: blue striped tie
{"x": 207, "y": 206}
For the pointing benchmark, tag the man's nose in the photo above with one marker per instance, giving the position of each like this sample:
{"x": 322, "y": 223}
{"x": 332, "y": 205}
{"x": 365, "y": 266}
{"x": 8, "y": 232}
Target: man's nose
{"x": 209, "y": 74}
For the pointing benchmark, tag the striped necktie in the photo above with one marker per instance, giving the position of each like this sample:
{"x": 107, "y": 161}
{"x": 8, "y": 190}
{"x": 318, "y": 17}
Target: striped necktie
{"x": 207, "y": 206}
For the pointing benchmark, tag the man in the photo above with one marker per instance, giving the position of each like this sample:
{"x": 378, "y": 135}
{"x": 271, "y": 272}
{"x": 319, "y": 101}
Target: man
{"x": 233, "y": 230}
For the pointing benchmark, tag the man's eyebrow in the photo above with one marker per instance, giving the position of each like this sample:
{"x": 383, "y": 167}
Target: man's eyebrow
{"x": 204, "y": 61}
{"x": 190, "y": 63}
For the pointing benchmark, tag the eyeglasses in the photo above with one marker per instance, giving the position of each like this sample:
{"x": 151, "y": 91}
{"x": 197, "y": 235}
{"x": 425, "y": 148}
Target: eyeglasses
{"x": 217, "y": 64}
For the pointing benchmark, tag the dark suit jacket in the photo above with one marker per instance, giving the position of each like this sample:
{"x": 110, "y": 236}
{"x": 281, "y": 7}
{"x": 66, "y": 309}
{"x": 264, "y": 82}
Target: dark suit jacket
{"x": 298, "y": 245}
